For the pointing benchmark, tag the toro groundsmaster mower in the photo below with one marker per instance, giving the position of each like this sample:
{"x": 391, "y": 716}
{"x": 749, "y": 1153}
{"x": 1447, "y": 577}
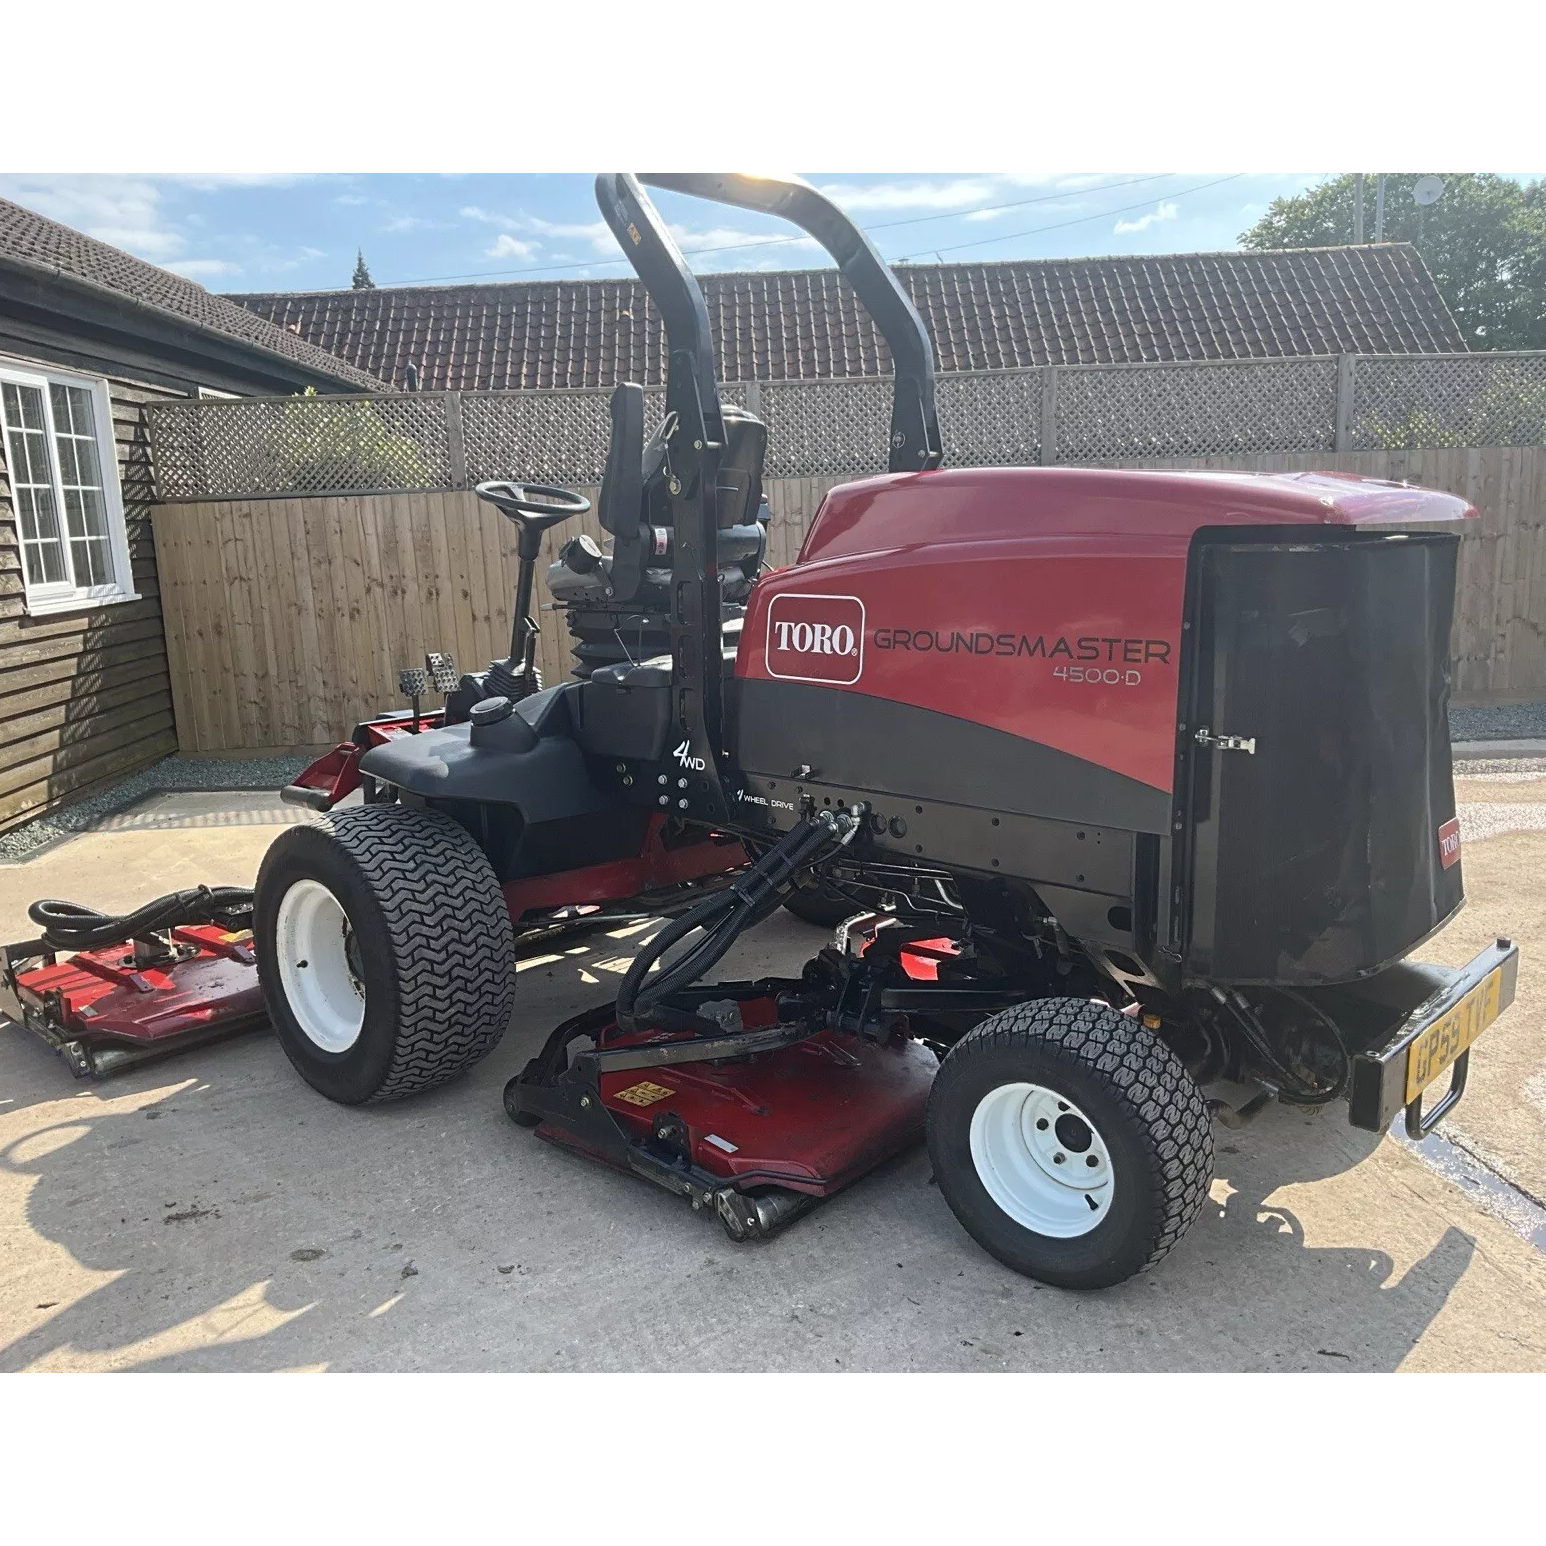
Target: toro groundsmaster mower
{"x": 1117, "y": 787}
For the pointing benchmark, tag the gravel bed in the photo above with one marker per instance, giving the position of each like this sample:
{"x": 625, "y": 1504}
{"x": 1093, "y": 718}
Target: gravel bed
{"x": 171, "y": 775}
{"x": 1503, "y": 722}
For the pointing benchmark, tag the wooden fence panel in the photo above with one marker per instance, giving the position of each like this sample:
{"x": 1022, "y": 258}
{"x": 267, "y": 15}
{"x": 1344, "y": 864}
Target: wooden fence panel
{"x": 287, "y": 619}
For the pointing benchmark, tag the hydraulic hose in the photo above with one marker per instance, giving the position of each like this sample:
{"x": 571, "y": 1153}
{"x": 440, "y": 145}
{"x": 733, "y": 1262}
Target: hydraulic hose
{"x": 723, "y": 917}
{"x": 69, "y": 926}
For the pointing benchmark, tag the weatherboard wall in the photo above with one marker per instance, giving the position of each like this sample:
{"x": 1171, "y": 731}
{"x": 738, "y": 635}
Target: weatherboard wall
{"x": 85, "y": 696}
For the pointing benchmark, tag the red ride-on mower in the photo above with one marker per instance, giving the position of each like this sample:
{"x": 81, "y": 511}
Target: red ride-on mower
{"x": 1130, "y": 784}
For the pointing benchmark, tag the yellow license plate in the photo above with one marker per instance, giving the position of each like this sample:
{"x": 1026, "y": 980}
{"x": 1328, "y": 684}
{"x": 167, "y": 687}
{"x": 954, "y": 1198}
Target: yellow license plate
{"x": 1450, "y": 1035}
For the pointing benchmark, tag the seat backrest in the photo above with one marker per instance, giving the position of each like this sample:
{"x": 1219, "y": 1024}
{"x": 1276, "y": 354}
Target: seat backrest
{"x": 622, "y": 484}
{"x": 740, "y": 468}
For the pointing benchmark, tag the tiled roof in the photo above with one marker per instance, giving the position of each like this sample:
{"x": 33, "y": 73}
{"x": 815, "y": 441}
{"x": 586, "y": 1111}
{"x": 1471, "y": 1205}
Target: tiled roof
{"x": 29, "y": 238}
{"x": 787, "y": 326}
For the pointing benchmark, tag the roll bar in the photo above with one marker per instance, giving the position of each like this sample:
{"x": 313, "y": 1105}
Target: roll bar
{"x": 915, "y": 443}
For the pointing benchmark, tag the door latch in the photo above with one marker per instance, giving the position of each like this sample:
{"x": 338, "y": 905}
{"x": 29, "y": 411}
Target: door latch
{"x": 1226, "y": 743}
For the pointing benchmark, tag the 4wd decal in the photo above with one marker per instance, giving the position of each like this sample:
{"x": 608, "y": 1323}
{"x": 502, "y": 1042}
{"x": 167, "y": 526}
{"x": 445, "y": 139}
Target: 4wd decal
{"x": 683, "y": 755}
{"x": 816, "y": 639}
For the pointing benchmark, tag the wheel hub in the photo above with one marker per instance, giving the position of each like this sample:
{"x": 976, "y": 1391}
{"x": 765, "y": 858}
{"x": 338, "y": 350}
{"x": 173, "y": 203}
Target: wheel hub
{"x": 1042, "y": 1160}
{"x": 320, "y": 966}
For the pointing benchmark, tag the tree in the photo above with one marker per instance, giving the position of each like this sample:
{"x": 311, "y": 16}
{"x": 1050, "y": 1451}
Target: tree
{"x": 1484, "y": 242}
{"x": 362, "y": 279}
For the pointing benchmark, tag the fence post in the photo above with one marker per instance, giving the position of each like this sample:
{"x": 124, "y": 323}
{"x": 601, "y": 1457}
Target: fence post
{"x": 456, "y": 449}
{"x": 1344, "y": 419}
{"x": 754, "y": 397}
{"x": 1049, "y": 415}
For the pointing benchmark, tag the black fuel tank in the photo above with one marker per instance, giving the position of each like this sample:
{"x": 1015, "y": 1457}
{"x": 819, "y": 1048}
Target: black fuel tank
{"x": 1321, "y": 856}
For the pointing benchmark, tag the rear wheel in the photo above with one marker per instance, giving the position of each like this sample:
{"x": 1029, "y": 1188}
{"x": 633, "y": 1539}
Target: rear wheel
{"x": 385, "y": 951}
{"x": 1070, "y": 1142}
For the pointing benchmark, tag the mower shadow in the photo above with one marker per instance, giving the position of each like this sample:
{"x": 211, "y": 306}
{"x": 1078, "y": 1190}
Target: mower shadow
{"x": 213, "y": 1213}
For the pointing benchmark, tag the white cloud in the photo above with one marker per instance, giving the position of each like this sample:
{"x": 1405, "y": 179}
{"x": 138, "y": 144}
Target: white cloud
{"x": 487, "y": 216}
{"x": 130, "y": 212}
{"x": 408, "y": 223}
{"x": 203, "y": 268}
{"x": 508, "y": 246}
{"x": 352, "y": 200}
{"x": 1143, "y": 222}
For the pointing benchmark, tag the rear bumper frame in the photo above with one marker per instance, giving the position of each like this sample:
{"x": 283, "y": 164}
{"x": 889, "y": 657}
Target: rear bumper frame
{"x": 1377, "y": 1089}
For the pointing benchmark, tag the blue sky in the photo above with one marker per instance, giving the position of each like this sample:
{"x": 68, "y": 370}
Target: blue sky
{"x": 258, "y": 232}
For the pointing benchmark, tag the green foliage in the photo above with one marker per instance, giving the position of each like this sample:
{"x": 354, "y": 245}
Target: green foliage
{"x": 325, "y": 444}
{"x": 361, "y": 279}
{"x": 1484, "y": 243}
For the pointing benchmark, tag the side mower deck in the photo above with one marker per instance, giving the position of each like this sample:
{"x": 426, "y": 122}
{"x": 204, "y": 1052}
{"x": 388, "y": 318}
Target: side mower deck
{"x": 109, "y": 1009}
{"x": 757, "y": 1135}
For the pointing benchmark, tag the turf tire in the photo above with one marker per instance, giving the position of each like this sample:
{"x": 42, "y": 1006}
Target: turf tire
{"x": 819, "y": 905}
{"x": 1149, "y": 1112}
{"x": 436, "y": 948}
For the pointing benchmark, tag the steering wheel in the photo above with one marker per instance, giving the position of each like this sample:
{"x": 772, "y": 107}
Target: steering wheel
{"x": 540, "y": 502}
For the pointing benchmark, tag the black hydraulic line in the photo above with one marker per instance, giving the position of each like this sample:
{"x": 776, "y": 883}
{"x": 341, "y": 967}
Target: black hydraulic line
{"x": 70, "y": 926}
{"x": 723, "y": 917}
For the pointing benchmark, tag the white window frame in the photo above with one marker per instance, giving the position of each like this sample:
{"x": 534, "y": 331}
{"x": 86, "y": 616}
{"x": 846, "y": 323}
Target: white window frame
{"x": 66, "y": 596}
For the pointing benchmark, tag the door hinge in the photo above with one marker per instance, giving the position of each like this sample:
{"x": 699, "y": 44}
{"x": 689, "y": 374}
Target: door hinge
{"x": 1226, "y": 743}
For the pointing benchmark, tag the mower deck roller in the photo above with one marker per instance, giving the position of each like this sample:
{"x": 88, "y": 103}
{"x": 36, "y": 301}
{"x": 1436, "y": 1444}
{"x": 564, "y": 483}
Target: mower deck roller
{"x": 1136, "y": 783}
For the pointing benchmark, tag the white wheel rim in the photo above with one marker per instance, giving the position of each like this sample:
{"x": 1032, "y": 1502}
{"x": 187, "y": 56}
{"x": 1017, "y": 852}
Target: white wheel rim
{"x": 1042, "y": 1160}
{"x": 320, "y": 986}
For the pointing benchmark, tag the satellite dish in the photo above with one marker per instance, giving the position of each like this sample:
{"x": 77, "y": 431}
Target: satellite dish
{"x": 1427, "y": 190}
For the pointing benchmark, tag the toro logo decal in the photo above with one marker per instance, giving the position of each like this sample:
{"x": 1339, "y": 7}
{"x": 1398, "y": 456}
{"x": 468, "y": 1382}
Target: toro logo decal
{"x": 1449, "y": 842}
{"x": 816, "y": 639}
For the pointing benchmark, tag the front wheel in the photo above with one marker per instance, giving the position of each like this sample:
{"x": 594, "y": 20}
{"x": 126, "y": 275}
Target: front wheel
{"x": 384, "y": 949}
{"x": 1070, "y": 1142}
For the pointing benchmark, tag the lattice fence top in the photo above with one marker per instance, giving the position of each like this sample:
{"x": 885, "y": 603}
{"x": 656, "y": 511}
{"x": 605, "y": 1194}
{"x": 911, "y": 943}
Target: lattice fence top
{"x": 1126, "y": 412}
{"x": 1082, "y": 414}
{"x": 1449, "y": 400}
{"x": 301, "y": 445}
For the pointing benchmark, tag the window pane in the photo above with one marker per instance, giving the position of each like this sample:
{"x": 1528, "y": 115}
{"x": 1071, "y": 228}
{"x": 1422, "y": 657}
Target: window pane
{"x": 91, "y": 562}
{"x": 68, "y": 472}
{"x": 61, "y": 401}
{"x": 45, "y": 562}
{"x": 73, "y": 520}
{"x": 85, "y": 415}
{"x": 26, "y": 513}
{"x": 23, "y": 407}
{"x": 88, "y": 468}
{"x": 94, "y": 512}
{"x": 37, "y": 506}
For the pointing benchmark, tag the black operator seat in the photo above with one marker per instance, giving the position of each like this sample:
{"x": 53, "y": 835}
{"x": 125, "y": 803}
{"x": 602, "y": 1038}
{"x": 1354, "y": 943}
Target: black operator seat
{"x": 635, "y": 506}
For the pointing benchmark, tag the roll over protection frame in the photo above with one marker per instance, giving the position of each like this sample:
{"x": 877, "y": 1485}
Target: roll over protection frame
{"x": 915, "y": 444}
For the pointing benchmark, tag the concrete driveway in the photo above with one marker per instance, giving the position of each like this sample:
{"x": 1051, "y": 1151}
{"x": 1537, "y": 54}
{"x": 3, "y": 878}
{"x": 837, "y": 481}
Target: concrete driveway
{"x": 213, "y": 1213}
